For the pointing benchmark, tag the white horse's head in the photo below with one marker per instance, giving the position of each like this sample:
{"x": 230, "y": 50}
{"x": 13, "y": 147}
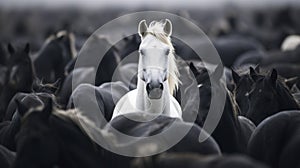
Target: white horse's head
{"x": 157, "y": 64}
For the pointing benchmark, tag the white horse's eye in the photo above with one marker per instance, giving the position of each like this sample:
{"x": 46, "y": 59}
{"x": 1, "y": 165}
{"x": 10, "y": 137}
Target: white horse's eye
{"x": 167, "y": 51}
{"x": 141, "y": 52}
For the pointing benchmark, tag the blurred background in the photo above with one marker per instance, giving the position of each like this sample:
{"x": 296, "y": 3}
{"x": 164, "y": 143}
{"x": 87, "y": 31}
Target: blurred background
{"x": 34, "y": 20}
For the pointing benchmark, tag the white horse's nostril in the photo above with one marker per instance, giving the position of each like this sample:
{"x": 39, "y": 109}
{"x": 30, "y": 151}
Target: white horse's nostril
{"x": 148, "y": 87}
{"x": 161, "y": 86}
{"x": 151, "y": 86}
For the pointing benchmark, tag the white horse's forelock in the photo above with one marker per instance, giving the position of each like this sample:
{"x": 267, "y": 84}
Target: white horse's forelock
{"x": 156, "y": 28}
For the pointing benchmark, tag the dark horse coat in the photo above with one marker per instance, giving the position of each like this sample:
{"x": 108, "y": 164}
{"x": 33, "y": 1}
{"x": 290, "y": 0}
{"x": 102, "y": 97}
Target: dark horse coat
{"x": 276, "y": 141}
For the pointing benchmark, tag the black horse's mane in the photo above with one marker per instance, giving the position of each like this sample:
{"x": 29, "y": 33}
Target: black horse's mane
{"x": 286, "y": 98}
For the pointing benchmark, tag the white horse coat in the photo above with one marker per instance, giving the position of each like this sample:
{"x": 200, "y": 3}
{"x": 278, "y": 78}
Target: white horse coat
{"x": 157, "y": 74}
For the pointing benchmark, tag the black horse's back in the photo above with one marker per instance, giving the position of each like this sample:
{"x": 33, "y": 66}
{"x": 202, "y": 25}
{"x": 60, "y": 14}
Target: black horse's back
{"x": 276, "y": 140}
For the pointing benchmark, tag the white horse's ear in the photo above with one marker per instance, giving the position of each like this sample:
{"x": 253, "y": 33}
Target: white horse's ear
{"x": 142, "y": 29}
{"x": 168, "y": 27}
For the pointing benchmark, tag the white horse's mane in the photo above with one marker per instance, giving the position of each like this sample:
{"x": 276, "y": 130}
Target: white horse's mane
{"x": 156, "y": 28}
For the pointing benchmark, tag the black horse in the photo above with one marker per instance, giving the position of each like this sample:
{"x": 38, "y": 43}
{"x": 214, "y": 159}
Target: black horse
{"x": 46, "y": 140}
{"x": 11, "y": 126}
{"x": 276, "y": 140}
{"x": 3, "y": 54}
{"x": 6, "y": 157}
{"x": 268, "y": 96}
{"x": 104, "y": 96}
{"x": 269, "y": 58}
{"x": 54, "y": 55}
{"x": 55, "y": 139}
{"x": 39, "y": 90}
{"x": 89, "y": 58}
{"x": 19, "y": 76}
{"x": 243, "y": 84}
{"x": 72, "y": 80}
{"x": 189, "y": 160}
{"x": 232, "y": 132}
{"x": 128, "y": 45}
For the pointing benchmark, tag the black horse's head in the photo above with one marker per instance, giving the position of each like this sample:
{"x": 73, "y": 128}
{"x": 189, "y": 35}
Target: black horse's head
{"x": 205, "y": 85}
{"x": 50, "y": 88}
{"x": 128, "y": 45}
{"x": 17, "y": 76}
{"x": 55, "y": 54}
{"x": 20, "y": 72}
{"x": 268, "y": 96}
{"x": 66, "y": 41}
{"x": 36, "y": 142}
{"x": 243, "y": 84}
{"x": 62, "y": 44}
{"x": 226, "y": 131}
{"x": 3, "y": 54}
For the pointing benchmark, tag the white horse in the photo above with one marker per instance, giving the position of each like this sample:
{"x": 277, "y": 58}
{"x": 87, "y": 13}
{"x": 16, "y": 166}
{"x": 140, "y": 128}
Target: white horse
{"x": 157, "y": 74}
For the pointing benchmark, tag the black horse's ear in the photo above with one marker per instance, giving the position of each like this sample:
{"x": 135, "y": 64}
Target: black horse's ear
{"x": 126, "y": 38}
{"x": 48, "y": 109}
{"x": 295, "y": 89}
{"x": 56, "y": 85}
{"x": 27, "y": 48}
{"x": 253, "y": 74}
{"x": 290, "y": 82}
{"x": 193, "y": 69}
{"x": 35, "y": 85}
{"x": 22, "y": 109}
{"x": 273, "y": 76}
{"x": 257, "y": 69}
{"x": 10, "y": 48}
{"x": 136, "y": 39}
{"x": 236, "y": 77}
{"x": 60, "y": 38}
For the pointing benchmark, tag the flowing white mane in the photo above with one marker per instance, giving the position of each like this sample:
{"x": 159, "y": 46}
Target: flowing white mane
{"x": 156, "y": 28}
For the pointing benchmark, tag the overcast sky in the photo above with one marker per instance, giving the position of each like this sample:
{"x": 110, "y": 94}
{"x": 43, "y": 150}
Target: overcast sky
{"x": 136, "y": 3}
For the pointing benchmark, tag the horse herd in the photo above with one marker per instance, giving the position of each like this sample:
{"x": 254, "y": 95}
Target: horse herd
{"x": 259, "y": 125}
